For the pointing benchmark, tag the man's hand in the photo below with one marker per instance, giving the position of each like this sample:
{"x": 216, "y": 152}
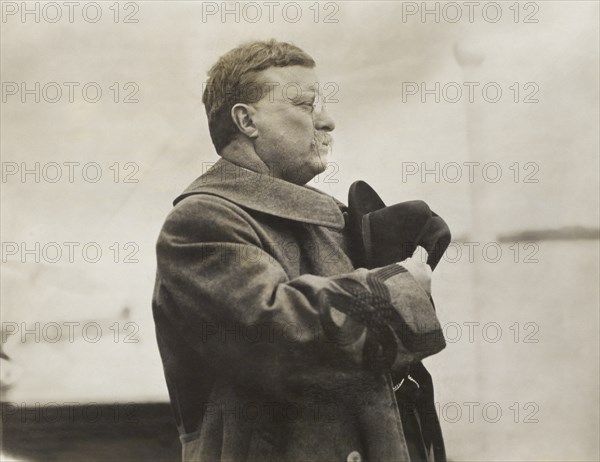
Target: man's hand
{"x": 419, "y": 269}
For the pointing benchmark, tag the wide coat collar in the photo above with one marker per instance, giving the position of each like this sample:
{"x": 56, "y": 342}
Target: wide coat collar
{"x": 264, "y": 193}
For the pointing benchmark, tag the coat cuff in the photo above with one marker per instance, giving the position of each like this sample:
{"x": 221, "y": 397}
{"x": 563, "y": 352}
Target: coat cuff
{"x": 401, "y": 321}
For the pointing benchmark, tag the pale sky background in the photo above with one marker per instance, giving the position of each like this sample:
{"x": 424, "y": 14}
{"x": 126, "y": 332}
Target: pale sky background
{"x": 368, "y": 54}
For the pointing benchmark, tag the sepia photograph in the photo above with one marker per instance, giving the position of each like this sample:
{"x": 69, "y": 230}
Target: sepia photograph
{"x": 300, "y": 231}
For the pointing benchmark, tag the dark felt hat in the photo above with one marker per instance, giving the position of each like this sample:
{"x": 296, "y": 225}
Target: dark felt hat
{"x": 383, "y": 235}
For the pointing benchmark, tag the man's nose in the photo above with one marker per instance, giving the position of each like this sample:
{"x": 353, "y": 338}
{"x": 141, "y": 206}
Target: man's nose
{"x": 324, "y": 121}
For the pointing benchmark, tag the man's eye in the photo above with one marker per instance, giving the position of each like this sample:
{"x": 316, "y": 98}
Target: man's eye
{"x": 309, "y": 105}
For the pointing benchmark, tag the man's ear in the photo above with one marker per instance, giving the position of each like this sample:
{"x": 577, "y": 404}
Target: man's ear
{"x": 241, "y": 115}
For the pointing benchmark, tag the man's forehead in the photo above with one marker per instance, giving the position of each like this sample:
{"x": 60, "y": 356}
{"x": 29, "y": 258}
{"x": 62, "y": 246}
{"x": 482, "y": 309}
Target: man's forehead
{"x": 304, "y": 77}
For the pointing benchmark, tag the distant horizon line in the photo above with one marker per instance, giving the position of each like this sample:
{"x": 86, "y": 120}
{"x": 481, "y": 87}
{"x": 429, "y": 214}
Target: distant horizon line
{"x": 573, "y": 232}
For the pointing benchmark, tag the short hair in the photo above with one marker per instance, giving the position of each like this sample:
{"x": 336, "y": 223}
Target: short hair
{"x": 232, "y": 80}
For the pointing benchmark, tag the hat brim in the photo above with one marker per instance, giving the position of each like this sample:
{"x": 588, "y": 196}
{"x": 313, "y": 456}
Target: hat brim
{"x": 362, "y": 200}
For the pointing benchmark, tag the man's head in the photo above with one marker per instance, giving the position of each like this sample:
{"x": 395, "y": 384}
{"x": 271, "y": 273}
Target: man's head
{"x": 263, "y": 98}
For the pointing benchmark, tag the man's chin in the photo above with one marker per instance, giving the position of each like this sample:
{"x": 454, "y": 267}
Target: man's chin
{"x": 316, "y": 168}
{"x": 306, "y": 172}
{"x": 320, "y": 165}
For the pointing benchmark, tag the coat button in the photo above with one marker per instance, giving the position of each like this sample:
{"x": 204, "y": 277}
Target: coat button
{"x": 354, "y": 456}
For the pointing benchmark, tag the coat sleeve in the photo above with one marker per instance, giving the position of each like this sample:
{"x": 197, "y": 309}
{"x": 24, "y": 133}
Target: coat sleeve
{"x": 235, "y": 306}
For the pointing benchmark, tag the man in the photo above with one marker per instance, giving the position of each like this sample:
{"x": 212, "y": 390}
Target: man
{"x": 274, "y": 346}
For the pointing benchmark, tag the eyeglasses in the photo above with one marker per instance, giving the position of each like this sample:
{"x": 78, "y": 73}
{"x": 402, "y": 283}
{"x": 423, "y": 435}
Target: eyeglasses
{"x": 318, "y": 101}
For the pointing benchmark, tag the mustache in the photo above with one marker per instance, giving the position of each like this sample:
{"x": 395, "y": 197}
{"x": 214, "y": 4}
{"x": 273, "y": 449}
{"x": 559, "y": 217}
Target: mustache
{"x": 323, "y": 138}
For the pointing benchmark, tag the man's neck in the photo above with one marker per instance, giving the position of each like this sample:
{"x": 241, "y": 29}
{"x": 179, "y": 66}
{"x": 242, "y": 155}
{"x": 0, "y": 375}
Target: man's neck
{"x": 243, "y": 155}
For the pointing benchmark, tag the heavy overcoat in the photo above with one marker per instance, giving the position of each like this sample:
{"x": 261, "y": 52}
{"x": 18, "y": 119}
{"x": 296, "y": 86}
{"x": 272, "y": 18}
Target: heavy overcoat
{"x": 261, "y": 359}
